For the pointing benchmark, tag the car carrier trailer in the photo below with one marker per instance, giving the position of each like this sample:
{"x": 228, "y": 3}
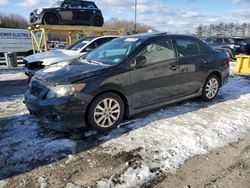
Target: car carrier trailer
{"x": 39, "y": 34}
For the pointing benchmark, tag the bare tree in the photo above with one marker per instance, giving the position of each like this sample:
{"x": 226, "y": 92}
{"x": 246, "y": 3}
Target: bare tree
{"x": 223, "y": 29}
{"x": 200, "y": 31}
{"x": 13, "y": 21}
{"x": 127, "y": 25}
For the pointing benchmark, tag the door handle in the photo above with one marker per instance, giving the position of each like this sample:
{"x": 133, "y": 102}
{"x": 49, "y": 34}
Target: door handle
{"x": 173, "y": 67}
{"x": 204, "y": 61}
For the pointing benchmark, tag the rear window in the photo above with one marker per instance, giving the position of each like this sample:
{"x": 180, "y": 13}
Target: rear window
{"x": 188, "y": 47}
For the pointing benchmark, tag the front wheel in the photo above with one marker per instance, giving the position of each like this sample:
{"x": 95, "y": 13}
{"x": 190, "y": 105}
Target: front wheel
{"x": 50, "y": 19}
{"x": 211, "y": 88}
{"x": 106, "y": 112}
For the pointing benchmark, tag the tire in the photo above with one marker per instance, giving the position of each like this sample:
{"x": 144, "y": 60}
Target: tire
{"x": 211, "y": 88}
{"x": 103, "y": 119}
{"x": 97, "y": 22}
{"x": 50, "y": 19}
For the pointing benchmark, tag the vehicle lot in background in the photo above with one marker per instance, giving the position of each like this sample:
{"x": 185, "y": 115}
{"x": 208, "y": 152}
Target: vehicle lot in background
{"x": 126, "y": 76}
{"x": 68, "y": 12}
{"x": 241, "y": 45}
{"x": 222, "y": 42}
{"x": 36, "y": 62}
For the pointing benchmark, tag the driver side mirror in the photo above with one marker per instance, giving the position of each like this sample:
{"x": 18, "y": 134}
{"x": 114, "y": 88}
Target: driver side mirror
{"x": 139, "y": 61}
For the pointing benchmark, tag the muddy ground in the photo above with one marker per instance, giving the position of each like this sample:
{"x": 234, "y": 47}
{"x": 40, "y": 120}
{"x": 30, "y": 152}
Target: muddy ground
{"x": 224, "y": 167}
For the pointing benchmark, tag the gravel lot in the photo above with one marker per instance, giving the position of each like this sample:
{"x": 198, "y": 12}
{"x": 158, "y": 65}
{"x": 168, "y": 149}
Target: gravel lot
{"x": 139, "y": 153}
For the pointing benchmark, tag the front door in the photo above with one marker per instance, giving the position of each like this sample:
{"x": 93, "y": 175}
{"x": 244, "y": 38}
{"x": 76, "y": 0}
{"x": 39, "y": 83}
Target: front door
{"x": 157, "y": 80}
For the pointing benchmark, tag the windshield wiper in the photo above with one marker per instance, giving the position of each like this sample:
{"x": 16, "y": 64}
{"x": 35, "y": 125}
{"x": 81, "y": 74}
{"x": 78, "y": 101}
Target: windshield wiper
{"x": 93, "y": 62}
{"x": 98, "y": 63}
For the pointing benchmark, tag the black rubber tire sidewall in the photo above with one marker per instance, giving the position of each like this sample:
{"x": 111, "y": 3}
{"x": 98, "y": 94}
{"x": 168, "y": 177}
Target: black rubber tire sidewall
{"x": 97, "y": 22}
{"x": 90, "y": 112}
{"x": 46, "y": 16}
{"x": 204, "y": 97}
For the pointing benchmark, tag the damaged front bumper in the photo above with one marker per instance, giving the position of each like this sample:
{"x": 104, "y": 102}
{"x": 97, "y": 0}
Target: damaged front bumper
{"x": 30, "y": 72}
{"x": 63, "y": 114}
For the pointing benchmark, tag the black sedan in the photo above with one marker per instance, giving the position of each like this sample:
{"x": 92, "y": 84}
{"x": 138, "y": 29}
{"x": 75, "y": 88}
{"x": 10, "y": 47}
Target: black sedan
{"x": 125, "y": 77}
{"x": 68, "y": 12}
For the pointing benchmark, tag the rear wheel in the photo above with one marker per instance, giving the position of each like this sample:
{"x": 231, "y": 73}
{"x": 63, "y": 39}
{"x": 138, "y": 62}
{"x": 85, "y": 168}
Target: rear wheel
{"x": 50, "y": 19}
{"x": 97, "y": 22}
{"x": 106, "y": 112}
{"x": 210, "y": 88}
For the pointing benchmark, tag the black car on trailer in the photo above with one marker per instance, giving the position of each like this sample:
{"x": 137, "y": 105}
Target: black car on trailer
{"x": 68, "y": 12}
{"x": 125, "y": 77}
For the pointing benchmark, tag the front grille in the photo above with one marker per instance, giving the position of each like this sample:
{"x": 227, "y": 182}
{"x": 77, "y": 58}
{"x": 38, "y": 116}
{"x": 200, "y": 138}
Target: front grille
{"x": 36, "y": 91}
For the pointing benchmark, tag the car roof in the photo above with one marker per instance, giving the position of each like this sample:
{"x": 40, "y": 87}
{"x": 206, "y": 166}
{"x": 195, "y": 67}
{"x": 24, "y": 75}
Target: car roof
{"x": 151, "y": 35}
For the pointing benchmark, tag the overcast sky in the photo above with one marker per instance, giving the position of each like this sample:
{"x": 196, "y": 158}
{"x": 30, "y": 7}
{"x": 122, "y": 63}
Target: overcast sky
{"x": 181, "y": 16}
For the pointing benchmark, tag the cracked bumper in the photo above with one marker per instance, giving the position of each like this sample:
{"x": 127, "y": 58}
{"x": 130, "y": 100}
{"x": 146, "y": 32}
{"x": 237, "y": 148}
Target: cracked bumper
{"x": 62, "y": 114}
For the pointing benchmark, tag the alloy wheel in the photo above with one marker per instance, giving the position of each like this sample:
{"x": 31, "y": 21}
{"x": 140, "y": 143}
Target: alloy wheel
{"x": 212, "y": 88}
{"x": 107, "y": 112}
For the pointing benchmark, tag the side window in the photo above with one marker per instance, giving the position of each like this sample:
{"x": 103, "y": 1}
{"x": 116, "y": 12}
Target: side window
{"x": 76, "y": 4}
{"x": 188, "y": 47}
{"x": 88, "y": 5}
{"x": 67, "y": 5}
{"x": 158, "y": 51}
{"x": 93, "y": 45}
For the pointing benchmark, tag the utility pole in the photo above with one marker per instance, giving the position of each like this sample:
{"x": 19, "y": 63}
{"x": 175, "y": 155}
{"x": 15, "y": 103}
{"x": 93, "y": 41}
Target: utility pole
{"x": 135, "y": 29}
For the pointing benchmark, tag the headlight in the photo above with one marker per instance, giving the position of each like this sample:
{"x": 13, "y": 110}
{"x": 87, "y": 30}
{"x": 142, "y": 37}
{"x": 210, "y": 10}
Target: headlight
{"x": 64, "y": 90}
{"x": 39, "y": 11}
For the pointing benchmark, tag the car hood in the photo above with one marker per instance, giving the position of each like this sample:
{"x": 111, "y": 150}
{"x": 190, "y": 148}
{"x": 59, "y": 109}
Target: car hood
{"x": 52, "y": 57}
{"x": 70, "y": 72}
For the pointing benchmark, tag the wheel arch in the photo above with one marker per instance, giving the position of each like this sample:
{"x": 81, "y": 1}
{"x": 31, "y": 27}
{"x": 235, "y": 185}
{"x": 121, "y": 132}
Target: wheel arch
{"x": 53, "y": 13}
{"x": 218, "y": 74}
{"x": 97, "y": 17}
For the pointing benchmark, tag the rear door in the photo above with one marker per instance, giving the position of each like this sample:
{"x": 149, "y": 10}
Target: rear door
{"x": 194, "y": 62}
{"x": 158, "y": 79}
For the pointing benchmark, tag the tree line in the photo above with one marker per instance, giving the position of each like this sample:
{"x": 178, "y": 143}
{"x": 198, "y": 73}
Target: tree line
{"x": 129, "y": 26}
{"x": 223, "y": 29}
{"x": 13, "y": 21}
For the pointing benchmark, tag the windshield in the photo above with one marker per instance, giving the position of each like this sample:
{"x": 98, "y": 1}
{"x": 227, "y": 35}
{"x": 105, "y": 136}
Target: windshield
{"x": 115, "y": 51}
{"x": 58, "y": 3}
{"x": 78, "y": 45}
{"x": 247, "y": 40}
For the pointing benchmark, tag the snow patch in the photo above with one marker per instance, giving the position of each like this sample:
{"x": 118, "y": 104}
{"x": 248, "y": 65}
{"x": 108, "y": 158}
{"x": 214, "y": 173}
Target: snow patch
{"x": 171, "y": 136}
{"x": 12, "y": 105}
{"x": 4, "y": 183}
{"x": 43, "y": 182}
{"x": 11, "y": 74}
